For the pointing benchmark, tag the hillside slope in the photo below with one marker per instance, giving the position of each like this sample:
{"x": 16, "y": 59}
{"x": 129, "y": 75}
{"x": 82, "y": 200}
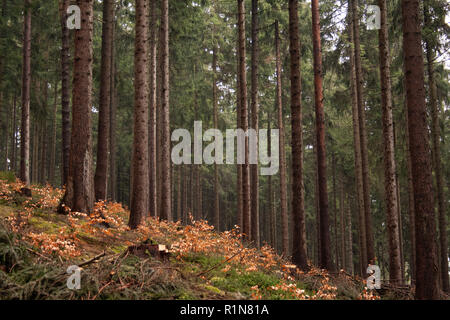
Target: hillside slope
{"x": 37, "y": 245}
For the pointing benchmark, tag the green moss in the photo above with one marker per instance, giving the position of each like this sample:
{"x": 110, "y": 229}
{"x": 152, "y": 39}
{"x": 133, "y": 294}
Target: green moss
{"x": 8, "y": 176}
{"x": 5, "y": 211}
{"x": 44, "y": 225}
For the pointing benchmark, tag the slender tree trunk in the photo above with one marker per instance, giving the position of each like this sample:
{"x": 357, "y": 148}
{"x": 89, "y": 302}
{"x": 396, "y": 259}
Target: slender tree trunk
{"x": 51, "y": 171}
{"x": 139, "y": 198}
{"x": 411, "y": 212}
{"x": 26, "y": 84}
{"x": 254, "y": 194}
{"x": 216, "y": 217}
{"x": 320, "y": 138}
{"x": 390, "y": 180}
{"x": 80, "y": 184}
{"x": 299, "y": 255}
{"x": 166, "y": 210}
{"x": 344, "y": 263}
{"x": 283, "y": 184}
{"x": 436, "y": 151}
{"x": 65, "y": 87}
{"x": 152, "y": 117}
{"x": 14, "y": 135}
{"x": 363, "y": 134}
{"x": 43, "y": 140}
{"x": 349, "y": 239}
{"x": 101, "y": 172}
{"x": 358, "y": 166}
{"x": 244, "y": 120}
{"x": 427, "y": 277}
{"x": 113, "y": 125}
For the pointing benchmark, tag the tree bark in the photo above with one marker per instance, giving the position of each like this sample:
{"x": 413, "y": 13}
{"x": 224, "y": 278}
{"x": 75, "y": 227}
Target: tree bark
{"x": 283, "y": 184}
{"x": 166, "y": 209}
{"x": 152, "y": 117}
{"x": 358, "y": 166}
{"x": 113, "y": 125}
{"x": 390, "y": 179}
{"x": 216, "y": 216}
{"x": 436, "y": 151}
{"x": 101, "y": 172}
{"x": 244, "y": 121}
{"x": 65, "y": 87}
{"x": 427, "y": 276}
{"x": 363, "y": 134}
{"x": 254, "y": 194}
{"x": 26, "y": 84}
{"x": 79, "y": 194}
{"x": 139, "y": 199}
{"x": 299, "y": 255}
{"x": 325, "y": 250}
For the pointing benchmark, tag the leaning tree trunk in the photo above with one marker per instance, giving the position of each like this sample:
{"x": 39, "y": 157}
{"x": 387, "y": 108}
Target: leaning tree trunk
{"x": 390, "y": 180}
{"x": 437, "y": 165}
{"x": 299, "y": 256}
{"x": 427, "y": 277}
{"x": 79, "y": 194}
{"x": 101, "y": 172}
{"x": 26, "y": 84}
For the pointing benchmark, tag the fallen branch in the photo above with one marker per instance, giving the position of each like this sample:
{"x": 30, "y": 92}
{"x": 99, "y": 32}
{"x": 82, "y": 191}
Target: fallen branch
{"x": 92, "y": 260}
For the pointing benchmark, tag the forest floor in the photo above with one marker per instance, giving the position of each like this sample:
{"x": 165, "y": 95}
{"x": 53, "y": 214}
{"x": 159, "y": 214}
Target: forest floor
{"x": 37, "y": 245}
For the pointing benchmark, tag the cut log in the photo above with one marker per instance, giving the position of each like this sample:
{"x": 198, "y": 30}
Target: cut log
{"x": 158, "y": 251}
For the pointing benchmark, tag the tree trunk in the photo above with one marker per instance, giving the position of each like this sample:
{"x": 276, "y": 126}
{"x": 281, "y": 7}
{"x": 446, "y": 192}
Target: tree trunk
{"x": 320, "y": 138}
{"x": 390, "y": 180}
{"x": 244, "y": 121}
{"x": 52, "y": 164}
{"x": 363, "y": 134}
{"x": 65, "y": 87}
{"x": 349, "y": 238}
{"x": 283, "y": 184}
{"x": 358, "y": 166}
{"x": 113, "y": 126}
{"x": 26, "y": 83}
{"x": 139, "y": 198}
{"x": 299, "y": 256}
{"x": 80, "y": 184}
{"x": 166, "y": 210}
{"x": 152, "y": 117}
{"x": 254, "y": 194}
{"x": 216, "y": 216}
{"x": 101, "y": 172}
{"x": 427, "y": 277}
{"x": 436, "y": 151}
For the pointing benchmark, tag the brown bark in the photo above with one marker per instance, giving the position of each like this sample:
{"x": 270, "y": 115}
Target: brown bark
{"x": 244, "y": 121}
{"x": 358, "y": 166}
{"x": 113, "y": 126}
{"x": 390, "y": 180}
{"x": 325, "y": 252}
{"x": 282, "y": 152}
{"x": 363, "y": 134}
{"x": 101, "y": 172}
{"x": 254, "y": 185}
{"x": 216, "y": 216}
{"x": 26, "y": 84}
{"x": 139, "y": 198}
{"x": 52, "y": 163}
{"x": 165, "y": 196}
{"x": 65, "y": 87}
{"x": 348, "y": 238}
{"x": 299, "y": 255}
{"x": 436, "y": 151}
{"x": 427, "y": 277}
{"x": 411, "y": 213}
{"x": 80, "y": 184}
{"x": 152, "y": 117}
